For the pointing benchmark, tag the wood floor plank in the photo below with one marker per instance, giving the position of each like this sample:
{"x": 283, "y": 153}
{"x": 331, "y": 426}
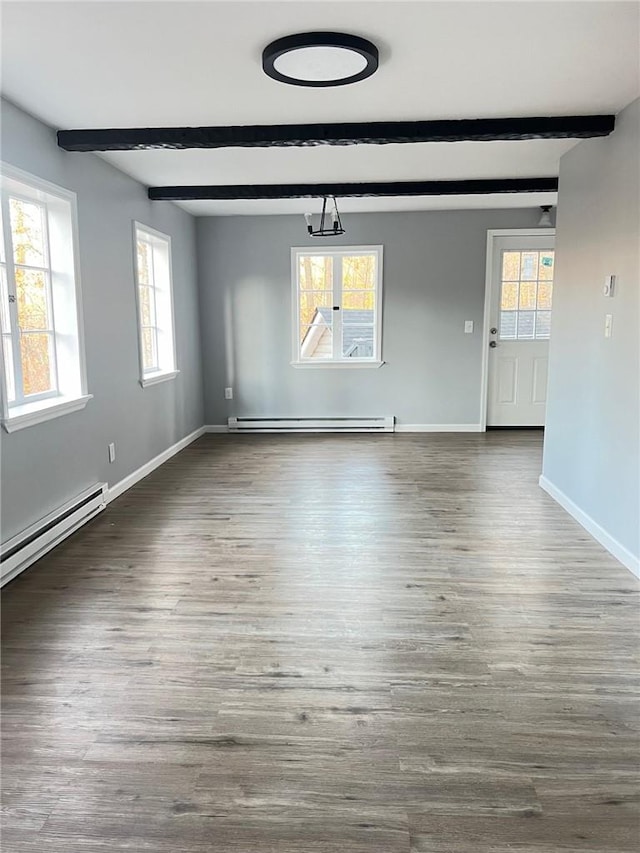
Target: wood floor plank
{"x": 325, "y": 644}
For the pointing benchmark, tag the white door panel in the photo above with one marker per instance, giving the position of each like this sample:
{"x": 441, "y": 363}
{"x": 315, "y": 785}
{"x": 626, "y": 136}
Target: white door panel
{"x": 520, "y": 319}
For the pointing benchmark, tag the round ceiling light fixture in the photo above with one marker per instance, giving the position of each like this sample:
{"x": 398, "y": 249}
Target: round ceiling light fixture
{"x": 320, "y": 59}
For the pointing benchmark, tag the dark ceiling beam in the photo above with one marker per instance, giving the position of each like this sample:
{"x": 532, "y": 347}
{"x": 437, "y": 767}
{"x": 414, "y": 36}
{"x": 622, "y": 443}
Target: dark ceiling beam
{"x": 353, "y": 190}
{"x": 350, "y": 133}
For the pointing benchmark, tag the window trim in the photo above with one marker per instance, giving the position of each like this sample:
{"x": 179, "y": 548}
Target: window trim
{"x": 154, "y": 377}
{"x": 48, "y": 405}
{"x": 296, "y": 361}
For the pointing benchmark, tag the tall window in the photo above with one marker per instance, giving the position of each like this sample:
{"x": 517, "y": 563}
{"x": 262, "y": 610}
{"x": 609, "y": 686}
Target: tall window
{"x": 155, "y": 305}
{"x": 526, "y": 295}
{"x": 43, "y": 360}
{"x": 337, "y": 306}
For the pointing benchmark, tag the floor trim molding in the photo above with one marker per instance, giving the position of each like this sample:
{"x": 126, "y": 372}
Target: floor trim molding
{"x": 117, "y": 489}
{"x": 215, "y": 428}
{"x": 622, "y": 554}
{"x": 438, "y": 428}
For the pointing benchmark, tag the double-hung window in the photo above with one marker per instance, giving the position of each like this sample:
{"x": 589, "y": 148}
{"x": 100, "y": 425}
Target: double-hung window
{"x": 337, "y": 299}
{"x": 155, "y": 305}
{"x": 43, "y": 371}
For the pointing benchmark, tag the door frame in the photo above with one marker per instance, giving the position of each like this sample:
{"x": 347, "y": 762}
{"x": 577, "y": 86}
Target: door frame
{"x": 492, "y": 235}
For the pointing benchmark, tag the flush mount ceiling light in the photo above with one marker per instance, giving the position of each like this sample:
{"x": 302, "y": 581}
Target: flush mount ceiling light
{"x": 320, "y": 59}
{"x": 330, "y": 223}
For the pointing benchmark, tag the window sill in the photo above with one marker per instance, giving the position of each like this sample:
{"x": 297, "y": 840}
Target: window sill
{"x": 346, "y": 363}
{"x": 44, "y": 410}
{"x": 156, "y": 378}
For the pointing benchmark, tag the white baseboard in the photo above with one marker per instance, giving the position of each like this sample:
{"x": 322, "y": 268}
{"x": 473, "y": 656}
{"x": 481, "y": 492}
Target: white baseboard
{"x": 438, "y": 428}
{"x": 397, "y": 428}
{"x": 117, "y": 489}
{"x": 628, "y": 560}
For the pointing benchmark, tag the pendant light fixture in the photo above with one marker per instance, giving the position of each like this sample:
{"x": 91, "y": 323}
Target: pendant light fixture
{"x": 330, "y": 222}
{"x": 545, "y": 217}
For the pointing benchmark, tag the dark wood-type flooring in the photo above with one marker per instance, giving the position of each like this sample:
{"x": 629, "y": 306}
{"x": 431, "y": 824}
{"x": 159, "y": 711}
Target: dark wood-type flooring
{"x": 325, "y": 644}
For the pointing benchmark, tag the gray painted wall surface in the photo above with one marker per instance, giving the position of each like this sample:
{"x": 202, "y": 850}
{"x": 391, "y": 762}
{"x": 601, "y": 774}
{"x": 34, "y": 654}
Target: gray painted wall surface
{"x": 592, "y": 438}
{"x": 434, "y": 278}
{"x": 47, "y": 464}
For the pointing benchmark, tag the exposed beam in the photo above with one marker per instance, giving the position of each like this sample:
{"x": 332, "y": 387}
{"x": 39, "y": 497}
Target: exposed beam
{"x": 378, "y": 188}
{"x": 350, "y": 133}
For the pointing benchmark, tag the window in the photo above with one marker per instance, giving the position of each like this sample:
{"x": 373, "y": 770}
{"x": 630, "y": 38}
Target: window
{"x": 155, "y": 305}
{"x": 43, "y": 373}
{"x": 337, "y": 307}
{"x": 526, "y": 294}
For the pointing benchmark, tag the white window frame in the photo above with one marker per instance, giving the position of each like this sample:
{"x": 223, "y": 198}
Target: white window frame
{"x": 337, "y": 253}
{"x": 165, "y": 335}
{"x": 62, "y": 274}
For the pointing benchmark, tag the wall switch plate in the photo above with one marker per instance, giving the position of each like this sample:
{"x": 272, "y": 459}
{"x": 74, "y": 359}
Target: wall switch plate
{"x": 468, "y": 327}
{"x": 228, "y": 393}
{"x": 609, "y": 286}
{"x": 112, "y": 452}
{"x": 608, "y": 323}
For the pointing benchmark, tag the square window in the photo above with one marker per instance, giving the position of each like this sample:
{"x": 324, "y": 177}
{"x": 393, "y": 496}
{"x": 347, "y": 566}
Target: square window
{"x": 336, "y": 313}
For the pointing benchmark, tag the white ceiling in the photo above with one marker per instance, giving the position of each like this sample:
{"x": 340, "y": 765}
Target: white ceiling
{"x": 124, "y": 64}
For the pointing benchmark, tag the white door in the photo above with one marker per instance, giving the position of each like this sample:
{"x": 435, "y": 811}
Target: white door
{"x": 519, "y": 326}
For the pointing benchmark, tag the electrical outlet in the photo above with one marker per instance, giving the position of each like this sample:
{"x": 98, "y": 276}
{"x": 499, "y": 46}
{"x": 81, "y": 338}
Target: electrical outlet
{"x": 112, "y": 452}
{"x": 228, "y": 393}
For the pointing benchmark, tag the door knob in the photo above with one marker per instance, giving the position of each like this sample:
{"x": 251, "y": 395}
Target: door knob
{"x": 493, "y": 330}
{"x": 493, "y": 344}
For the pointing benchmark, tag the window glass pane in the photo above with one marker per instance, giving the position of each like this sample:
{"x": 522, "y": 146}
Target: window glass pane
{"x": 316, "y": 341}
{"x": 527, "y": 295}
{"x": 359, "y": 300}
{"x": 543, "y": 324}
{"x": 149, "y": 349}
{"x": 5, "y": 319}
{"x": 529, "y": 266}
{"x": 37, "y": 363}
{"x": 545, "y": 293}
{"x": 351, "y": 317}
{"x": 357, "y": 341}
{"x": 509, "y": 297}
{"x": 145, "y": 263}
{"x": 9, "y": 372}
{"x": 508, "y": 320}
{"x": 27, "y": 230}
{"x": 526, "y": 324}
{"x": 510, "y": 266}
{"x": 313, "y": 304}
{"x": 359, "y": 272}
{"x": 545, "y": 272}
{"x": 147, "y": 306}
{"x": 316, "y": 272}
{"x": 31, "y": 294}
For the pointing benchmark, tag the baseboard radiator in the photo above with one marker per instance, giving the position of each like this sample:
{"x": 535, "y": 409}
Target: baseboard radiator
{"x": 386, "y": 424}
{"x": 19, "y": 553}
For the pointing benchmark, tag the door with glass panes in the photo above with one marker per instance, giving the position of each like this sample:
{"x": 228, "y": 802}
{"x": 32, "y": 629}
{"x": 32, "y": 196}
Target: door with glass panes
{"x": 519, "y": 330}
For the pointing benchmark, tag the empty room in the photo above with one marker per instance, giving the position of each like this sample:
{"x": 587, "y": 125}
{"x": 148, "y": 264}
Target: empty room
{"x": 320, "y": 426}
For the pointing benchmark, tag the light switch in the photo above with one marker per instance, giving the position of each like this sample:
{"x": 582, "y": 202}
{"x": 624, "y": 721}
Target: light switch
{"x": 468, "y": 327}
{"x": 609, "y": 286}
{"x": 608, "y": 323}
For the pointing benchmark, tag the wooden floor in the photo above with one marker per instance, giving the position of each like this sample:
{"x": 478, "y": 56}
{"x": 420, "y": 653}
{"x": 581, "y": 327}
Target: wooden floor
{"x": 325, "y": 644}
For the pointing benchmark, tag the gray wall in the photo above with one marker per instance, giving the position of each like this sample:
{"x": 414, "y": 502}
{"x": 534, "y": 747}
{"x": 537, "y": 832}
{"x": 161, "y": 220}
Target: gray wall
{"x": 46, "y": 464}
{"x": 434, "y": 277}
{"x": 592, "y": 438}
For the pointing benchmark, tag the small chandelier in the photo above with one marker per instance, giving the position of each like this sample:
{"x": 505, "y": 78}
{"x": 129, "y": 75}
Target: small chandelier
{"x": 330, "y": 223}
